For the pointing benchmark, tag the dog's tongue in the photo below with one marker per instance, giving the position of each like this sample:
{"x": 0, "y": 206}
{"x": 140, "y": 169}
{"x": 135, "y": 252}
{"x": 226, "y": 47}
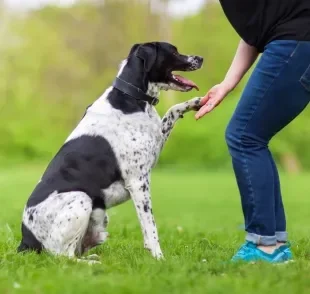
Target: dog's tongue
{"x": 186, "y": 82}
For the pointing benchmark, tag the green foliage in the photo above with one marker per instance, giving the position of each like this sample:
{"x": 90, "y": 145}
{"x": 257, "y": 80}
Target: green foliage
{"x": 56, "y": 61}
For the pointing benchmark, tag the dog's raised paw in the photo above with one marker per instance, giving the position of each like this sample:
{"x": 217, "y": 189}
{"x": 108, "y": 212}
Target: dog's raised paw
{"x": 195, "y": 103}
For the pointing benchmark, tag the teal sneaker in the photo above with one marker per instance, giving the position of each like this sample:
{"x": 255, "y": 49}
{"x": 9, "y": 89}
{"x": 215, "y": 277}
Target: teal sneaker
{"x": 249, "y": 252}
{"x": 285, "y": 248}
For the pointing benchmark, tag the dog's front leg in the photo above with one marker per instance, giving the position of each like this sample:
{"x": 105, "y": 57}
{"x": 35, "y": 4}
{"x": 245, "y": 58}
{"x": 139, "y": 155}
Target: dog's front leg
{"x": 175, "y": 112}
{"x": 140, "y": 193}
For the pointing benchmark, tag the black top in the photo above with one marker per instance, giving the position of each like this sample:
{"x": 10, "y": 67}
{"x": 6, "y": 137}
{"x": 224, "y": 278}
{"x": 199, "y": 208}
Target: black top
{"x": 259, "y": 22}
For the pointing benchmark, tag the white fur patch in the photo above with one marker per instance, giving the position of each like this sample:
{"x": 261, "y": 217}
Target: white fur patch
{"x": 116, "y": 194}
{"x": 60, "y": 221}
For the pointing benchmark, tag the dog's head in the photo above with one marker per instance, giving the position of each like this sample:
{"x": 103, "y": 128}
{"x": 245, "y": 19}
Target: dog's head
{"x": 160, "y": 60}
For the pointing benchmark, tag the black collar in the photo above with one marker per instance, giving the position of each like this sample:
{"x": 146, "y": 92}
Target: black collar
{"x": 133, "y": 91}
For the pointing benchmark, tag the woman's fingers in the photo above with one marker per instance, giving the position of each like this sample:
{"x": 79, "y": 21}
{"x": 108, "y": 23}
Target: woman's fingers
{"x": 212, "y": 99}
{"x": 210, "y": 104}
{"x": 204, "y": 104}
{"x": 205, "y": 99}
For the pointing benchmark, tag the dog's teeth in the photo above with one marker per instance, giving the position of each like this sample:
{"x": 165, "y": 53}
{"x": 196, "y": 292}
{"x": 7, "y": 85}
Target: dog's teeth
{"x": 176, "y": 79}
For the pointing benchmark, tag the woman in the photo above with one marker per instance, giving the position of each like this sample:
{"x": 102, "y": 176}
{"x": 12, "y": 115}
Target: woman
{"x": 276, "y": 93}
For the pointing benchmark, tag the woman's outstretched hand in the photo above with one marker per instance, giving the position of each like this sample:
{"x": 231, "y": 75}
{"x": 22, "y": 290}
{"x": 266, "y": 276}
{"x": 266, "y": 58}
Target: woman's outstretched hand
{"x": 212, "y": 99}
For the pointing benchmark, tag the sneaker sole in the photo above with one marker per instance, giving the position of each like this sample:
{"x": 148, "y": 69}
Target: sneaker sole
{"x": 275, "y": 263}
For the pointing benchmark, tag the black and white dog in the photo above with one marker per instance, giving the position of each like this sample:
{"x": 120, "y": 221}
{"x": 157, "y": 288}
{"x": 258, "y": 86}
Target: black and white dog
{"x": 108, "y": 157}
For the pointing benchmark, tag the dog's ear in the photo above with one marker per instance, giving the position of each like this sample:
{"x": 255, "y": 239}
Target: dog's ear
{"x": 133, "y": 49}
{"x": 148, "y": 53}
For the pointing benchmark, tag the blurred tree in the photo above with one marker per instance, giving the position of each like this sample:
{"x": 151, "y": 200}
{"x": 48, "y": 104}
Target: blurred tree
{"x": 56, "y": 61}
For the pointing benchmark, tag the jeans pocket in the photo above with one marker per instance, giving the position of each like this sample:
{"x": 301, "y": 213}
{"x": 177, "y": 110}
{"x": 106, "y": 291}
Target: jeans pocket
{"x": 305, "y": 79}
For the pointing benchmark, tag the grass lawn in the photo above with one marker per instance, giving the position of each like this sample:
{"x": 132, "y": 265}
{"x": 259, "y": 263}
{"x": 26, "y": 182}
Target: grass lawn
{"x": 200, "y": 226}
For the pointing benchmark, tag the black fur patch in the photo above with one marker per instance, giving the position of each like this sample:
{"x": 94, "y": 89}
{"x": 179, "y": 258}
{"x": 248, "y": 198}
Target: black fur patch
{"x": 86, "y": 164}
{"x": 29, "y": 241}
{"x": 125, "y": 103}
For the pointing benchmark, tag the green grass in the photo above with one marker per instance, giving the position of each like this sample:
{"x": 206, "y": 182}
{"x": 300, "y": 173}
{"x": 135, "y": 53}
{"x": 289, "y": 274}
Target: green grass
{"x": 200, "y": 226}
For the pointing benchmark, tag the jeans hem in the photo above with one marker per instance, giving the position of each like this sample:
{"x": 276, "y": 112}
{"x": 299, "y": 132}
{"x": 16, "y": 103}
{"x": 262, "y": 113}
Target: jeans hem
{"x": 261, "y": 240}
{"x": 281, "y": 237}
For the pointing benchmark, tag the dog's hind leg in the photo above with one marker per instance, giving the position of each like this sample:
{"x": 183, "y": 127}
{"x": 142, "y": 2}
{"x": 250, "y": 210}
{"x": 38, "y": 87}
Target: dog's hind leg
{"x": 96, "y": 233}
{"x": 175, "y": 112}
{"x": 70, "y": 225}
{"x": 60, "y": 222}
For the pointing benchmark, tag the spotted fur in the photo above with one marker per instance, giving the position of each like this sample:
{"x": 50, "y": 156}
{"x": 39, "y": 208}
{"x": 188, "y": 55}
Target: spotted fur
{"x": 105, "y": 161}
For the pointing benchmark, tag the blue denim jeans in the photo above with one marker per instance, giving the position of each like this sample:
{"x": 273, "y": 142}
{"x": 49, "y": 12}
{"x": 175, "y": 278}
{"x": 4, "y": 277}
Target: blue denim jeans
{"x": 276, "y": 93}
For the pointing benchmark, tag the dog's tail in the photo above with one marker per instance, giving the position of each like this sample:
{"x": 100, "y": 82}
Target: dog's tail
{"x": 29, "y": 242}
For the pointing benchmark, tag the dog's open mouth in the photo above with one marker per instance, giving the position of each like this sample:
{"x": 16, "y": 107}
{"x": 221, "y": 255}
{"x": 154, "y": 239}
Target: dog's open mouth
{"x": 185, "y": 84}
